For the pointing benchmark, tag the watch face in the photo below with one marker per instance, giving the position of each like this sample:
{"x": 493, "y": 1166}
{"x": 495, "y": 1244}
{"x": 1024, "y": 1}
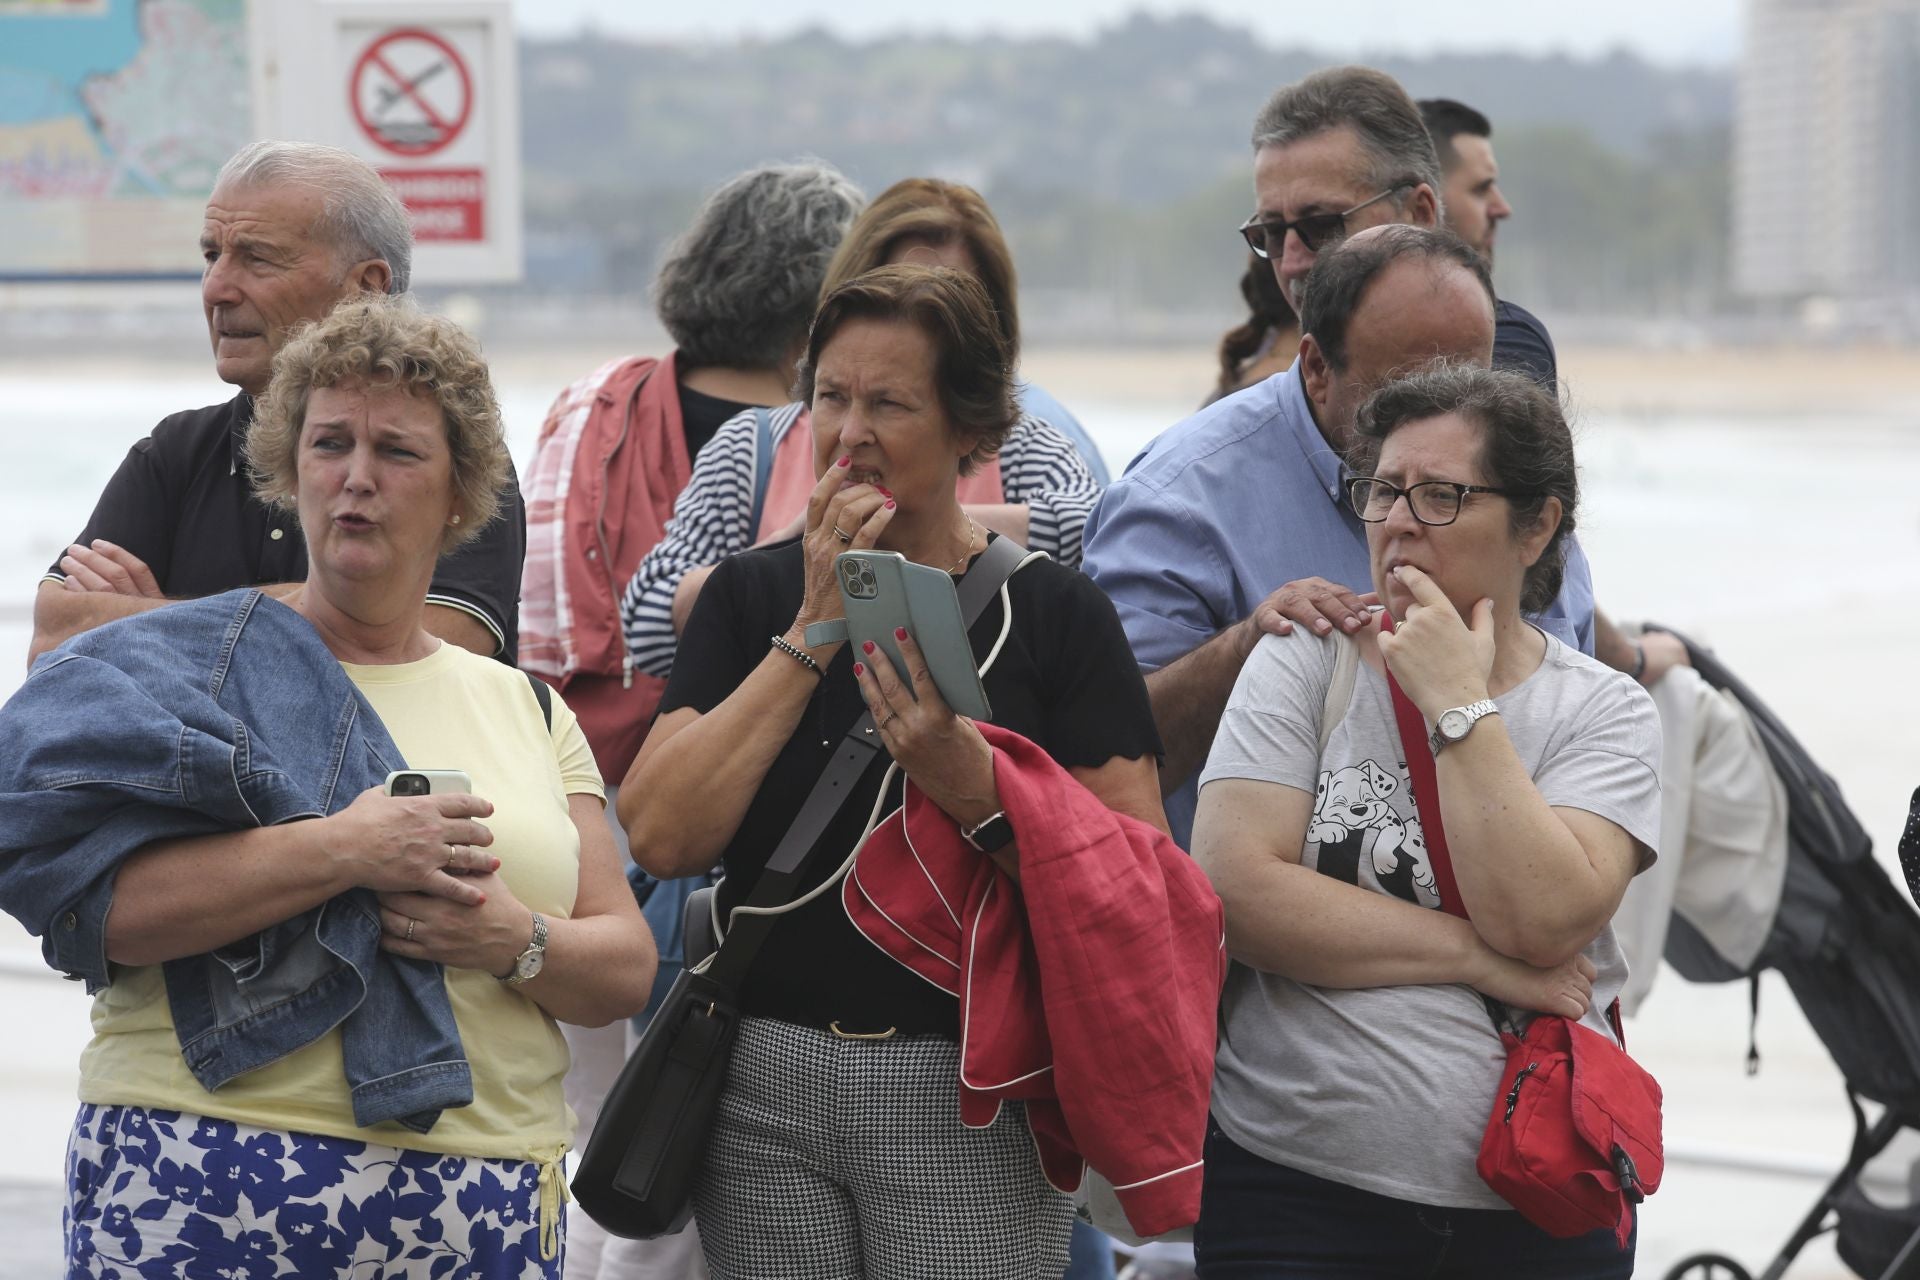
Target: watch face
{"x": 528, "y": 966}
{"x": 995, "y": 833}
{"x": 1454, "y": 724}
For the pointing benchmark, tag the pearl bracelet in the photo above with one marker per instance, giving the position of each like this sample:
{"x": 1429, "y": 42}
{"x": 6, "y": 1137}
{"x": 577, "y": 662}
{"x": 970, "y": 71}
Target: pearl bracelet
{"x": 798, "y": 654}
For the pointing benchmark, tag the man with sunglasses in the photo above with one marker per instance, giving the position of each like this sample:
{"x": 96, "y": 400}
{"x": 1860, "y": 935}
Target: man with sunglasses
{"x": 1240, "y": 521}
{"x": 1346, "y": 149}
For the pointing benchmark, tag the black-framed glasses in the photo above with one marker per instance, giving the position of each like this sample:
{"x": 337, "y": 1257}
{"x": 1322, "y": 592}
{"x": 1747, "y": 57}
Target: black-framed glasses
{"x": 1433, "y": 502}
{"x": 1316, "y": 230}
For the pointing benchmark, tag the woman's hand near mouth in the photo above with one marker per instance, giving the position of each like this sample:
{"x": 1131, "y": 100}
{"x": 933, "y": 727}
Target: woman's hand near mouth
{"x": 1438, "y": 659}
{"x": 841, "y": 516}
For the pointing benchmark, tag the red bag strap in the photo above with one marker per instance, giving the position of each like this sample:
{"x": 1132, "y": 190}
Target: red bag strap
{"x": 1426, "y": 800}
{"x": 1426, "y": 788}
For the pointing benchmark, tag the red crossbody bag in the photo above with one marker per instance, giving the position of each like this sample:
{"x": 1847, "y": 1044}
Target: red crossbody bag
{"x": 1574, "y": 1139}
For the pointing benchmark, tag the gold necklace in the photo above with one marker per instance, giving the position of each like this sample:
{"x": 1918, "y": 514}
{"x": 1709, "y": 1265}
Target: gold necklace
{"x": 960, "y": 565}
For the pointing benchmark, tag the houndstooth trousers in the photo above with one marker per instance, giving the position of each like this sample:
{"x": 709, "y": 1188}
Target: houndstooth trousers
{"x": 838, "y": 1159}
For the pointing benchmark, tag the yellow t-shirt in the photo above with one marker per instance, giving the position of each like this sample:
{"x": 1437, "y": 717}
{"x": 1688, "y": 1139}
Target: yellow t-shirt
{"x": 453, "y": 710}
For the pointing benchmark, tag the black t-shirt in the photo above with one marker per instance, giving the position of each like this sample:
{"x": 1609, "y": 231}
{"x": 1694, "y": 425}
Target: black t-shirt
{"x": 1065, "y": 679}
{"x": 702, "y": 415}
{"x": 181, "y": 502}
{"x": 1521, "y": 344}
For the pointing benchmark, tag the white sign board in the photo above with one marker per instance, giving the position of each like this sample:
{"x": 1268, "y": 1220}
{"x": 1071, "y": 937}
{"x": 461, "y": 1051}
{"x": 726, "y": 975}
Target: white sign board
{"x": 424, "y": 91}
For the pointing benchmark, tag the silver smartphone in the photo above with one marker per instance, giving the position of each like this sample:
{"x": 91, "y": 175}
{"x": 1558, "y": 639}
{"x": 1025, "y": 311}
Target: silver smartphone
{"x": 881, "y": 590}
{"x": 428, "y": 782}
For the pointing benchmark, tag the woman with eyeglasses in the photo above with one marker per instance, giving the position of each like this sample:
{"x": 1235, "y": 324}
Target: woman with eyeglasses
{"x": 1358, "y": 1059}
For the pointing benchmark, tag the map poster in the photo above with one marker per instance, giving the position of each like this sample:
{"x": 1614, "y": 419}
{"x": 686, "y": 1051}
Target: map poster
{"x": 115, "y": 115}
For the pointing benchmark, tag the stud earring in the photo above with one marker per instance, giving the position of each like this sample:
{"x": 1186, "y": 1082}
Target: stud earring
{"x": 455, "y": 520}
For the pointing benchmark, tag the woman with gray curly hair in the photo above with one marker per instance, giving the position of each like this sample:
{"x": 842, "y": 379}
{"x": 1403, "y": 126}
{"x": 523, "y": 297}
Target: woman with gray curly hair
{"x": 736, "y": 293}
{"x": 328, "y": 1043}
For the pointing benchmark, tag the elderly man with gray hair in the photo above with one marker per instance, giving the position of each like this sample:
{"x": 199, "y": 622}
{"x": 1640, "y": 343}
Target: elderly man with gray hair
{"x": 292, "y": 228}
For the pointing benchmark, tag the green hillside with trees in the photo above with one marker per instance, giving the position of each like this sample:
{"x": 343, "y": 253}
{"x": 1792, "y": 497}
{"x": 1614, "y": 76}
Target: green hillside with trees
{"x": 1119, "y": 165}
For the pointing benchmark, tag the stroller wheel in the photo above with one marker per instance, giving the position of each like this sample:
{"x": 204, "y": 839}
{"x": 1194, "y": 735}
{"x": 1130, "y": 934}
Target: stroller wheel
{"x": 1708, "y": 1266}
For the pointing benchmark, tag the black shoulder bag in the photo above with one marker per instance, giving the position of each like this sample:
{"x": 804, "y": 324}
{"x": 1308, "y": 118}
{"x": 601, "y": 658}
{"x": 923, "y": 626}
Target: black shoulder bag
{"x": 636, "y": 1176}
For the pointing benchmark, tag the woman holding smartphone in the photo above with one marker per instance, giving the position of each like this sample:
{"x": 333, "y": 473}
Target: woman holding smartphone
{"x": 323, "y": 1045}
{"x": 843, "y": 1085}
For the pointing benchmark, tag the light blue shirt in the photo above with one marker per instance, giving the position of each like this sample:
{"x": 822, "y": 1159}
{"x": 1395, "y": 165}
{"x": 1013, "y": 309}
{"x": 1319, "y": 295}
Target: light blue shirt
{"x": 1226, "y": 507}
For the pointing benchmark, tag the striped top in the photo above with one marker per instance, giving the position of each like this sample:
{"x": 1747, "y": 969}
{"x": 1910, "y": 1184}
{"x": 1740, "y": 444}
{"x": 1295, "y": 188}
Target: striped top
{"x": 711, "y": 521}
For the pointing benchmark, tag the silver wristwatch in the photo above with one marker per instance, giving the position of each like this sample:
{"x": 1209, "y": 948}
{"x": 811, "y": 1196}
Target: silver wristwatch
{"x": 1456, "y": 722}
{"x": 527, "y": 964}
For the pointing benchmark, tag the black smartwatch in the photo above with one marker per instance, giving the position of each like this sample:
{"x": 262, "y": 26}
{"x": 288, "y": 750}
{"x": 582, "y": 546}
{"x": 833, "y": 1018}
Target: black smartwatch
{"x": 989, "y": 834}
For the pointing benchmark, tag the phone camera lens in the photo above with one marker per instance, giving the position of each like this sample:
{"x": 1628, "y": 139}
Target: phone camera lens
{"x": 410, "y": 784}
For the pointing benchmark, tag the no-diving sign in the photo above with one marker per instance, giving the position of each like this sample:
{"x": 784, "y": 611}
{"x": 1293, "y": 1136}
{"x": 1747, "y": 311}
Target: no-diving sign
{"x": 411, "y": 92}
{"x": 427, "y": 92}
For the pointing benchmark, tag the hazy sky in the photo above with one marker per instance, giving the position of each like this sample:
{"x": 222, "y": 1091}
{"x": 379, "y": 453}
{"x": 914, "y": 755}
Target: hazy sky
{"x": 1666, "y": 30}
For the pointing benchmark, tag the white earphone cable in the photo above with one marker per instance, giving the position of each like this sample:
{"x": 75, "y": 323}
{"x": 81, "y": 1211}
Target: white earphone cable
{"x": 873, "y": 816}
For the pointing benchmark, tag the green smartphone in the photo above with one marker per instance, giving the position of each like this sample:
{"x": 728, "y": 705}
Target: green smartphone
{"x": 881, "y": 590}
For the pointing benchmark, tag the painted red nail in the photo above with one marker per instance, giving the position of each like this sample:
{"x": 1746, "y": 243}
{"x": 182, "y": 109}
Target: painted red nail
{"x": 866, "y": 646}
{"x": 899, "y": 633}
{"x": 845, "y": 462}
{"x": 889, "y": 504}
{"x": 859, "y": 668}
{"x": 882, "y": 488}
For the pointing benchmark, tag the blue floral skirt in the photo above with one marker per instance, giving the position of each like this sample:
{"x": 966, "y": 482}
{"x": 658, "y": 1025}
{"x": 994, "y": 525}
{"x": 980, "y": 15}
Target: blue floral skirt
{"x": 154, "y": 1194}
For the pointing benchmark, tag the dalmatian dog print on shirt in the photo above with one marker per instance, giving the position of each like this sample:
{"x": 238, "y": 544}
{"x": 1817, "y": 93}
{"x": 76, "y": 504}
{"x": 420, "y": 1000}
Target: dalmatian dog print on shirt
{"x": 1355, "y": 823}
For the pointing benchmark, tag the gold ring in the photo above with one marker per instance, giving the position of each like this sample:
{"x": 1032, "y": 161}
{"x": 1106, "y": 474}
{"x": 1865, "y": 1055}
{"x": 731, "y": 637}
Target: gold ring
{"x": 891, "y": 717}
{"x": 451, "y": 850}
{"x": 410, "y": 923}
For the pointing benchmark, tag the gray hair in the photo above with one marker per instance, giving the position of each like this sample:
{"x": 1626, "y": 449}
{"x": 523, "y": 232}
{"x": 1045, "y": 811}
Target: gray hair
{"x": 739, "y": 287}
{"x": 360, "y": 217}
{"x": 1374, "y": 106}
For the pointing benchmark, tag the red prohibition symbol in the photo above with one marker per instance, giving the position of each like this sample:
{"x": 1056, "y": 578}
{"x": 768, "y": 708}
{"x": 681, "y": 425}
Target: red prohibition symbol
{"x": 411, "y": 92}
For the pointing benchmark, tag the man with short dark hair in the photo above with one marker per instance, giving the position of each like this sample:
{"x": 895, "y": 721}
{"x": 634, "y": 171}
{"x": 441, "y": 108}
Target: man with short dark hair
{"x": 1471, "y": 199}
{"x": 1473, "y": 206}
{"x": 1237, "y": 520}
{"x": 291, "y": 229}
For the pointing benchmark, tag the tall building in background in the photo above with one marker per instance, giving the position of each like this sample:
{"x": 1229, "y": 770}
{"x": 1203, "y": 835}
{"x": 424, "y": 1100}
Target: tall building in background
{"x": 1827, "y": 151}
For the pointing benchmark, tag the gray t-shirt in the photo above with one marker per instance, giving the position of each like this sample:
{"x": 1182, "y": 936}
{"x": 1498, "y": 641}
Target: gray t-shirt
{"x": 1388, "y": 1088}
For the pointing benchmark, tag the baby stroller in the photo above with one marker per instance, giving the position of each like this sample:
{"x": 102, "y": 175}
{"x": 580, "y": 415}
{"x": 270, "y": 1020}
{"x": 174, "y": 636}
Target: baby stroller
{"x": 1849, "y": 947}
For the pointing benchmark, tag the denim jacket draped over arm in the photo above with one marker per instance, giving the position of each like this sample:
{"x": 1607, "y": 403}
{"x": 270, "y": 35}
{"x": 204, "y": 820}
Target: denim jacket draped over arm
{"x": 210, "y": 716}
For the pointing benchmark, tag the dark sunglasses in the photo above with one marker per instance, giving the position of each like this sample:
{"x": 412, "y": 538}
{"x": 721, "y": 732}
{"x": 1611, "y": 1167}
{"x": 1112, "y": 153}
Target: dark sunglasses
{"x": 1316, "y": 230}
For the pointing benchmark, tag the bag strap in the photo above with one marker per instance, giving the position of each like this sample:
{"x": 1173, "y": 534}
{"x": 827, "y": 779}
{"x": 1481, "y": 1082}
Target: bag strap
{"x": 1346, "y": 665}
{"x": 1426, "y": 799}
{"x": 542, "y": 695}
{"x": 762, "y": 469}
{"x": 780, "y": 881}
{"x": 1426, "y": 788}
